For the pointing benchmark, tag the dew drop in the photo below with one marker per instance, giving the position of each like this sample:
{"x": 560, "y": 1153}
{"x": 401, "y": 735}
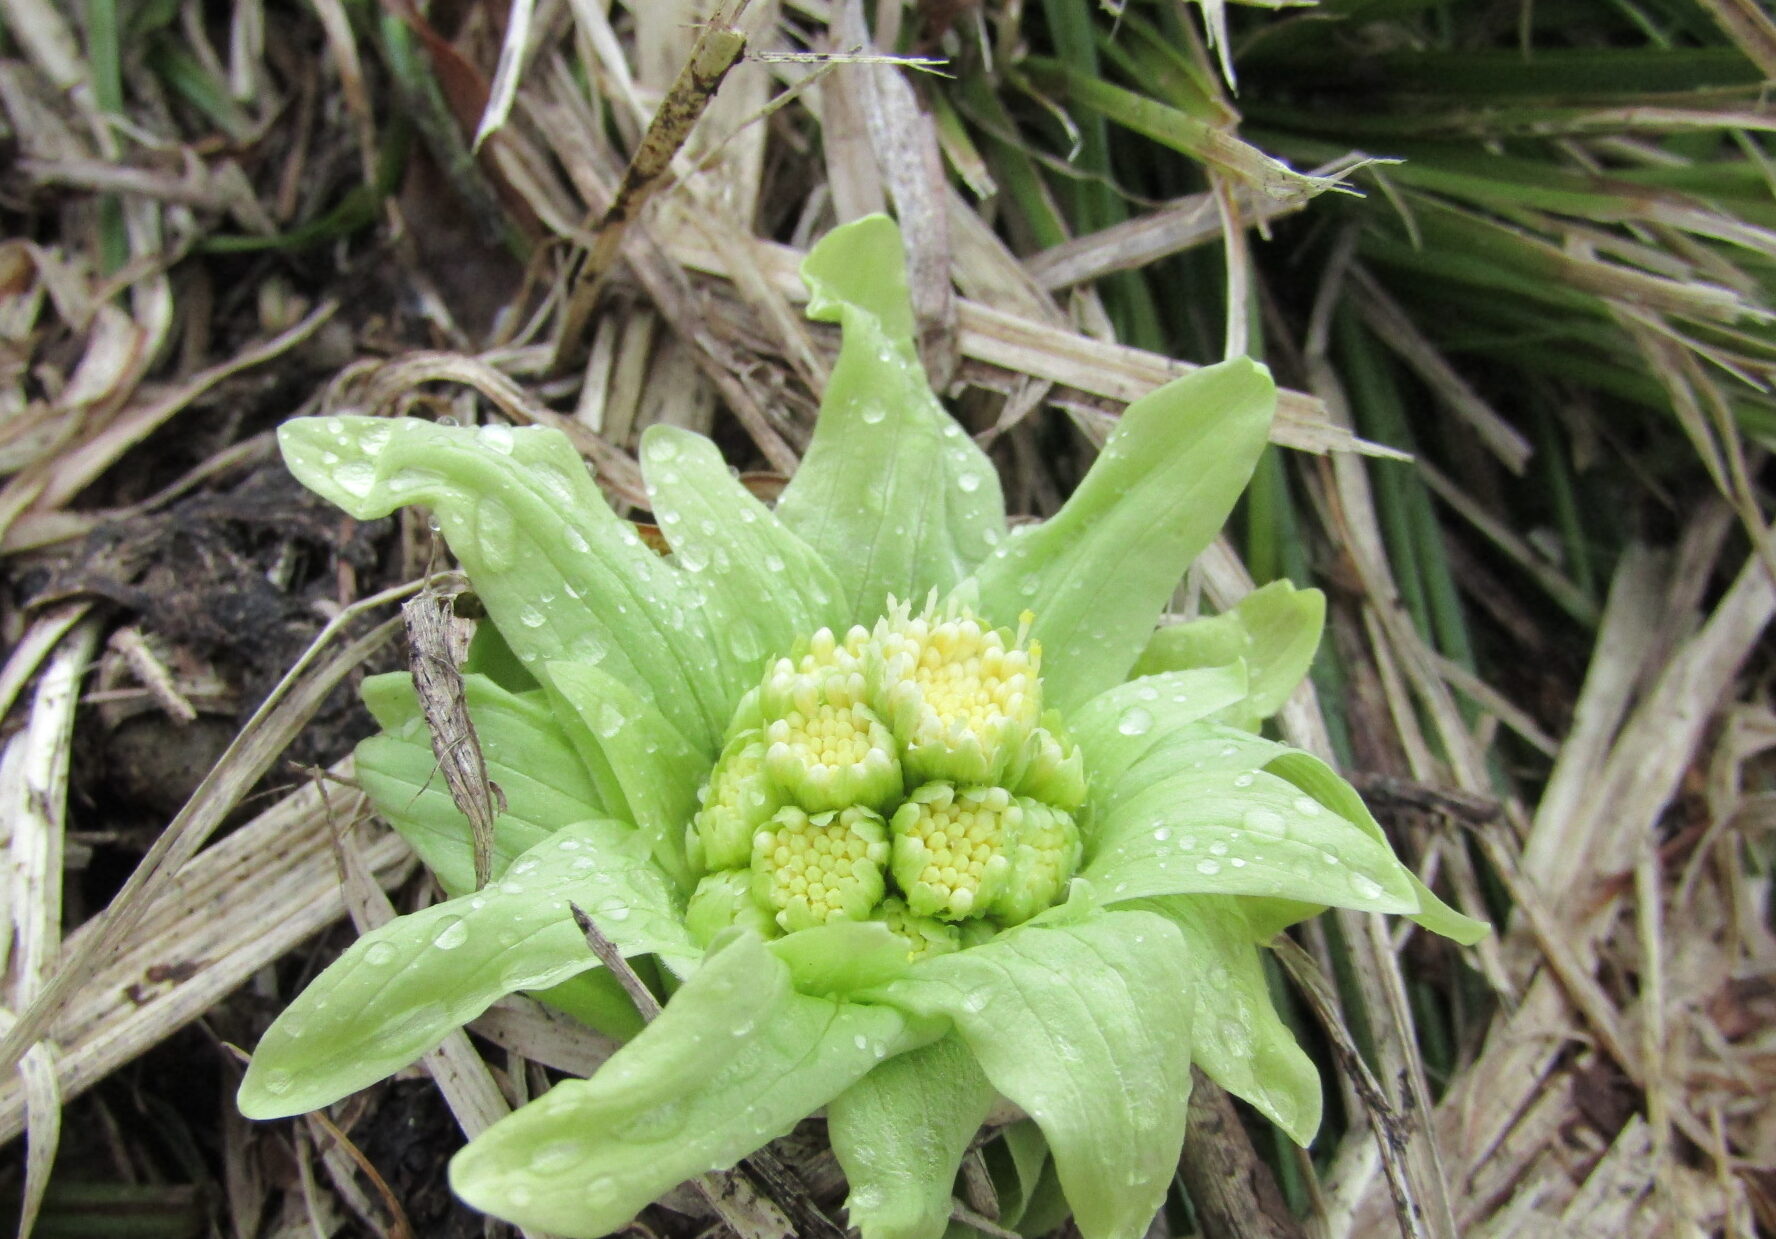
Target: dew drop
{"x": 663, "y": 447}
{"x": 610, "y": 720}
{"x": 380, "y": 954}
{"x": 1244, "y": 780}
{"x": 1366, "y": 888}
{"x": 1162, "y": 834}
{"x": 1235, "y": 1037}
{"x": 744, "y": 643}
{"x": 692, "y": 558}
{"x": 555, "y": 1157}
{"x": 335, "y": 426}
{"x": 355, "y": 479}
{"x": 873, "y": 414}
{"x": 453, "y": 931}
{"x": 1205, "y": 865}
{"x": 519, "y": 1195}
{"x": 530, "y": 617}
{"x": 278, "y": 1081}
{"x": 498, "y": 437}
{"x": 1264, "y": 821}
{"x": 773, "y": 564}
{"x": 1135, "y": 721}
{"x": 1307, "y": 807}
{"x": 969, "y": 482}
{"x": 497, "y": 534}
{"x": 575, "y": 539}
{"x": 1218, "y": 848}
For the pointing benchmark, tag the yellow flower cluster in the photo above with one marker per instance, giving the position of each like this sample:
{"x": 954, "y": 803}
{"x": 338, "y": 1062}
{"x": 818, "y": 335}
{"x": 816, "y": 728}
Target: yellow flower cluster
{"x": 904, "y": 774}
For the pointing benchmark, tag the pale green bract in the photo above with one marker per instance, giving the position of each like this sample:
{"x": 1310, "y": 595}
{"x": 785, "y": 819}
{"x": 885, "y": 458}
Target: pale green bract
{"x": 976, "y": 828}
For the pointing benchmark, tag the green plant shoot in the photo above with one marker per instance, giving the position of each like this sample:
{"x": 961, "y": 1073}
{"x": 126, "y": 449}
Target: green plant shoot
{"x": 901, "y": 804}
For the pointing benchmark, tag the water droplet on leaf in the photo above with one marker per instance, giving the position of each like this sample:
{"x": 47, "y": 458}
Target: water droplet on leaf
{"x": 1135, "y": 721}
{"x": 1264, "y": 821}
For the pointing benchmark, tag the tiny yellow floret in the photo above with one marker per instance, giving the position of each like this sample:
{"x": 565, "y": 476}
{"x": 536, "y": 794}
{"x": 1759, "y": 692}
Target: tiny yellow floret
{"x": 958, "y": 695}
{"x": 1043, "y": 858}
{"x": 736, "y": 801}
{"x": 904, "y": 773}
{"x": 925, "y": 935}
{"x": 812, "y": 870}
{"x": 833, "y": 756}
{"x": 951, "y": 848}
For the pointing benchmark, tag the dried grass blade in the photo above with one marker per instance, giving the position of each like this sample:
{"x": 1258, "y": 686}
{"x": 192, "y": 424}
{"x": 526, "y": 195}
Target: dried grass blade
{"x": 73, "y": 471}
{"x": 1749, "y": 25}
{"x": 717, "y": 50}
{"x": 240, "y": 905}
{"x": 289, "y": 707}
{"x": 435, "y": 651}
{"x": 909, "y": 158}
{"x": 506, "y": 72}
{"x": 33, "y": 802}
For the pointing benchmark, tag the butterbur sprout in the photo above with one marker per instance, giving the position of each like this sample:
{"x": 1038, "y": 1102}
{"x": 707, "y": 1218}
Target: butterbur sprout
{"x": 914, "y": 812}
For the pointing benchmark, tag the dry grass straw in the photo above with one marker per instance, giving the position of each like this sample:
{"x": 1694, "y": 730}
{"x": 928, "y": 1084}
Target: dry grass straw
{"x": 698, "y": 319}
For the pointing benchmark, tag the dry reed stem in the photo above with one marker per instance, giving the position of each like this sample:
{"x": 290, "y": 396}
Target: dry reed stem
{"x": 239, "y": 905}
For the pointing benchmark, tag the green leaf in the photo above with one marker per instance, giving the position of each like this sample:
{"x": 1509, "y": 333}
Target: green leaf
{"x": 1087, "y": 1027}
{"x": 735, "y": 1060}
{"x": 400, "y": 988}
{"x": 598, "y": 1000}
{"x": 842, "y": 957}
{"x": 402, "y": 780}
{"x": 657, "y": 768}
{"x": 1240, "y": 1041}
{"x": 1121, "y": 725}
{"x": 530, "y": 760}
{"x": 1275, "y": 631}
{"x": 1320, "y": 781}
{"x": 1201, "y": 747}
{"x": 891, "y": 493}
{"x": 490, "y": 655}
{"x": 1099, "y": 573}
{"x": 1196, "y": 138}
{"x": 521, "y": 738}
{"x": 762, "y": 588}
{"x": 900, "y": 1133}
{"x": 562, "y": 576}
{"x": 1252, "y": 833}
{"x": 1017, "y": 1177}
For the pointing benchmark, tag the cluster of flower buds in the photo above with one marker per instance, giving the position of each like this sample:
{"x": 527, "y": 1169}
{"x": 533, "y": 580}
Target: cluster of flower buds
{"x": 905, "y": 774}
